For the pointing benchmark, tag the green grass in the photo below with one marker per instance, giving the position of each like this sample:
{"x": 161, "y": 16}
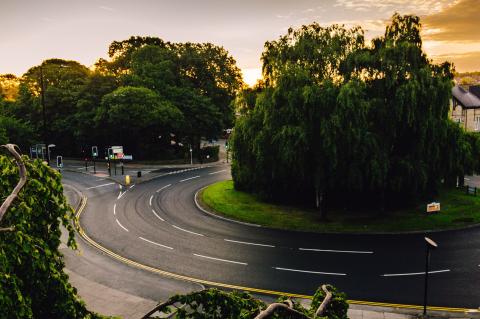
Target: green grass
{"x": 457, "y": 210}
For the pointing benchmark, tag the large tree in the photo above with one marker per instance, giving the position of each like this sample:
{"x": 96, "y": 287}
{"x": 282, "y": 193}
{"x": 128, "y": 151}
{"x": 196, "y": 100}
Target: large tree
{"x": 338, "y": 117}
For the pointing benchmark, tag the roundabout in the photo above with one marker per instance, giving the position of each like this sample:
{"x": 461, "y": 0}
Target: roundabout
{"x": 156, "y": 225}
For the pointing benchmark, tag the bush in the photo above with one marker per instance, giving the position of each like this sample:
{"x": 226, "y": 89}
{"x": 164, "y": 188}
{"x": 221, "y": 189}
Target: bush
{"x": 211, "y": 152}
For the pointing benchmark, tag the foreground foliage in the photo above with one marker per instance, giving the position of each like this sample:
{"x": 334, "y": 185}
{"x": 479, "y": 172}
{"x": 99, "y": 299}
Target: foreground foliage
{"x": 211, "y": 303}
{"x": 338, "y": 119}
{"x": 32, "y": 281}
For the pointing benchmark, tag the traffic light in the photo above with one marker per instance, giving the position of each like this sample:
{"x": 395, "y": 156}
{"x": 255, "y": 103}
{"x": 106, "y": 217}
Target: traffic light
{"x": 59, "y": 161}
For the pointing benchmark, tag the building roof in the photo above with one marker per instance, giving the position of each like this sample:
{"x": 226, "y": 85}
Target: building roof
{"x": 468, "y": 99}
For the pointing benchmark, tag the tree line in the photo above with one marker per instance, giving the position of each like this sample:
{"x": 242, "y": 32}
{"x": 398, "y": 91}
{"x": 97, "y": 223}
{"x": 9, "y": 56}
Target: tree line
{"x": 150, "y": 96}
{"x": 339, "y": 122}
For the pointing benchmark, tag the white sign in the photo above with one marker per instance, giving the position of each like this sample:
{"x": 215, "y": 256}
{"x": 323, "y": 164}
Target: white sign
{"x": 117, "y": 149}
{"x": 433, "y": 207}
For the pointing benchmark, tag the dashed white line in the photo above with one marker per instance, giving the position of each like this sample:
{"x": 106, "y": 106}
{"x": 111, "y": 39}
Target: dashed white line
{"x": 161, "y": 189}
{"x": 416, "y": 273}
{"x": 224, "y": 260}
{"x": 114, "y": 209}
{"x": 223, "y": 170}
{"x": 155, "y": 213}
{"x": 187, "y": 231}
{"x": 101, "y": 179}
{"x": 311, "y": 272}
{"x": 187, "y": 179}
{"x": 118, "y": 222}
{"x": 132, "y": 186}
{"x": 337, "y": 251}
{"x": 152, "y": 242}
{"x": 248, "y": 243}
{"x": 103, "y": 185}
{"x": 151, "y": 197}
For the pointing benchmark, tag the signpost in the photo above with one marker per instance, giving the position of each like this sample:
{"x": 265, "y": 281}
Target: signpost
{"x": 433, "y": 207}
{"x": 94, "y": 156}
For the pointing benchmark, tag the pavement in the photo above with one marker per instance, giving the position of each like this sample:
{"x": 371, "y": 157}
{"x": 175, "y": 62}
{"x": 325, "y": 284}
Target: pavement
{"x": 113, "y": 288}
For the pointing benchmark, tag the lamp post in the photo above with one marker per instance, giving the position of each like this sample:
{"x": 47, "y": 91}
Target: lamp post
{"x": 42, "y": 100}
{"x": 430, "y": 245}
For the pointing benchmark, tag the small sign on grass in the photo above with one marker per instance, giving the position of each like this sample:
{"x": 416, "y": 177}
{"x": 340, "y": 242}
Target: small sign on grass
{"x": 433, "y": 207}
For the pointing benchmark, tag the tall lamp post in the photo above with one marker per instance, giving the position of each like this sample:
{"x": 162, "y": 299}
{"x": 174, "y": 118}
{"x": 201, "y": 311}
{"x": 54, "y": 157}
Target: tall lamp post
{"x": 42, "y": 99}
{"x": 430, "y": 245}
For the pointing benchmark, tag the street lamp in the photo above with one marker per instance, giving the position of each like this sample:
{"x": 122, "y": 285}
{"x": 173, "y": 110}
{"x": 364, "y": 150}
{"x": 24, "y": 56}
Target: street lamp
{"x": 42, "y": 99}
{"x": 430, "y": 245}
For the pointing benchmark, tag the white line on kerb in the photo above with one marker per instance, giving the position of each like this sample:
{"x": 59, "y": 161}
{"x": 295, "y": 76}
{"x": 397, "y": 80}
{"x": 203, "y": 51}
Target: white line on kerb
{"x": 159, "y": 190}
{"x": 151, "y": 197}
{"x": 247, "y": 243}
{"x": 100, "y": 185}
{"x": 312, "y": 272}
{"x": 337, "y": 251}
{"x": 121, "y": 225}
{"x": 152, "y": 242}
{"x": 223, "y": 170}
{"x": 188, "y": 231}
{"x": 187, "y": 179}
{"x": 155, "y": 213}
{"x": 416, "y": 273}
{"x": 219, "y": 259}
{"x": 114, "y": 207}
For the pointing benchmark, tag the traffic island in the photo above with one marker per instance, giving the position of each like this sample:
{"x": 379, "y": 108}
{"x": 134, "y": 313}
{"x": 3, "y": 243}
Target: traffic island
{"x": 458, "y": 210}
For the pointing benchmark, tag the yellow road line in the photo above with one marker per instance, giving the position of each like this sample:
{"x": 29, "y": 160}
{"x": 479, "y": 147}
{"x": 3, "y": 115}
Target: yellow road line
{"x": 235, "y": 287}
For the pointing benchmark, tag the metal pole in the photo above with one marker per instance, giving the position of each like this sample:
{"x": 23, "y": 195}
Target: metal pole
{"x": 94, "y": 168}
{"x": 115, "y": 166}
{"x": 427, "y": 266}
{"x": 42, "y": 100}
{"x": 86, "y": 164}
{"x": 191, "y": 156}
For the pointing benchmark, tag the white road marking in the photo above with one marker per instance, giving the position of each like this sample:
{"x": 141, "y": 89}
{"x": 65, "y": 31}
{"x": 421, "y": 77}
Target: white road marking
{"x": 224, "y": 260}
{"x": 121, "y": 194}
{"x": 132, "y": 186}
{"x": 467, "y": 179}
{"x": 312, "y": 272}
{"x": 416, "y": 273}
{"x": 337, "y": 251}
{"x": 247, "y": 243}
{"x": 151, "y": 197}
{"x": 159, "y": 190}
{"x": 121, "y": 225}
{"x": 188, "y": 231}
{"x": 108, "y": 184}
{"x": 120, "y": 186}
{"x": 152, "y": 242}
{"x": 101, "y": 179}
{"x": 223, "y": 170}
{"x": 114, "y": 209}
{"x": 155, "y": 213}
{"x": 83, "y": 167}
{"x": 187, "y": 179}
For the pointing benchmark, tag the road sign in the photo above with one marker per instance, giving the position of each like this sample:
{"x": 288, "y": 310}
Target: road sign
{"x": 433, "y": 207}
{"x": 127, "y": 157}
{"x": 119, "y": 155}
{"x": 117, "y": 149}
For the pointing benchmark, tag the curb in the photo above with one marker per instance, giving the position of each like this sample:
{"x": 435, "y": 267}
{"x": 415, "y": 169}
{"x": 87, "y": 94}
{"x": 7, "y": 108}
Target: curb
{"x": 218, "y": 216}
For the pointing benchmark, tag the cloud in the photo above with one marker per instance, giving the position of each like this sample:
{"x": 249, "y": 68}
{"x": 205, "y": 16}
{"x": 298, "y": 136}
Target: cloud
{"x": 464, "y": 62}
{"x": 390, "y": 6}
{"x": 459, "y": 22}
{"x": 106, "y": 8}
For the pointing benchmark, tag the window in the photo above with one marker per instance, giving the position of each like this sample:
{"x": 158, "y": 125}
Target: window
{"x": 477, "y": 122}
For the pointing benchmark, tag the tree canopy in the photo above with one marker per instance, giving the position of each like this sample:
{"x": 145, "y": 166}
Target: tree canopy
{"x": 338, "y": 118}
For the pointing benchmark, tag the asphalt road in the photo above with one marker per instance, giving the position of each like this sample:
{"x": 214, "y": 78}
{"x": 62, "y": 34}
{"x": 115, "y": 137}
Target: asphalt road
{"x": 158, "y": 224}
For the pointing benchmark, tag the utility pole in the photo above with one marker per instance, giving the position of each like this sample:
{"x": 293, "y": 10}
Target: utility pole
{"x": 42, "y": 99}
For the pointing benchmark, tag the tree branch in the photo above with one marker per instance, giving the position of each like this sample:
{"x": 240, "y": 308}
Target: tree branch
{"x": 326, "y": 301}
{"x": 23, "y": 178}
{"x": 271, "y": 309}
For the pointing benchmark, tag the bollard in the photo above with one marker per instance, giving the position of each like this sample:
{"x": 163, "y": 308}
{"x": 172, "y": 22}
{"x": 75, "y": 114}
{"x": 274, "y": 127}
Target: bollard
{"x": 139, "y": 174}
{"x": 127, "y": 179}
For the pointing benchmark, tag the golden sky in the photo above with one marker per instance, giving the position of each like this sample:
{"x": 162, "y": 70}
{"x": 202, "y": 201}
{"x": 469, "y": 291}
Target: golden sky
{"x": 32, "y": 30}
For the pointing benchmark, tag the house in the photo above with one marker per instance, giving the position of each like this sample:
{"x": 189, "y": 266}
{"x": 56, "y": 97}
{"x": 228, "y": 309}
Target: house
{"x": 465, "y": 107}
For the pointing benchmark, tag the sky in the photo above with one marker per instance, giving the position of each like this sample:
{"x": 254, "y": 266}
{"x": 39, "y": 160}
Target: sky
{"x": 35, "y": 30}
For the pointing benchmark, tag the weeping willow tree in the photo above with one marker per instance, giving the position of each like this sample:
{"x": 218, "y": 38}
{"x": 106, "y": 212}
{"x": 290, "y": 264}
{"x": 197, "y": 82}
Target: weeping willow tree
{"x": 342, "y": 119}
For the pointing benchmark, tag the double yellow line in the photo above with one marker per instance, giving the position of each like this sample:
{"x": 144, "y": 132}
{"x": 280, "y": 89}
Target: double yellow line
{"x": 235, "y": 287}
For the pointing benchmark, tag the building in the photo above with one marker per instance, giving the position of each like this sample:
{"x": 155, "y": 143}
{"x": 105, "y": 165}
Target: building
{"x": 465, "y": 108}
